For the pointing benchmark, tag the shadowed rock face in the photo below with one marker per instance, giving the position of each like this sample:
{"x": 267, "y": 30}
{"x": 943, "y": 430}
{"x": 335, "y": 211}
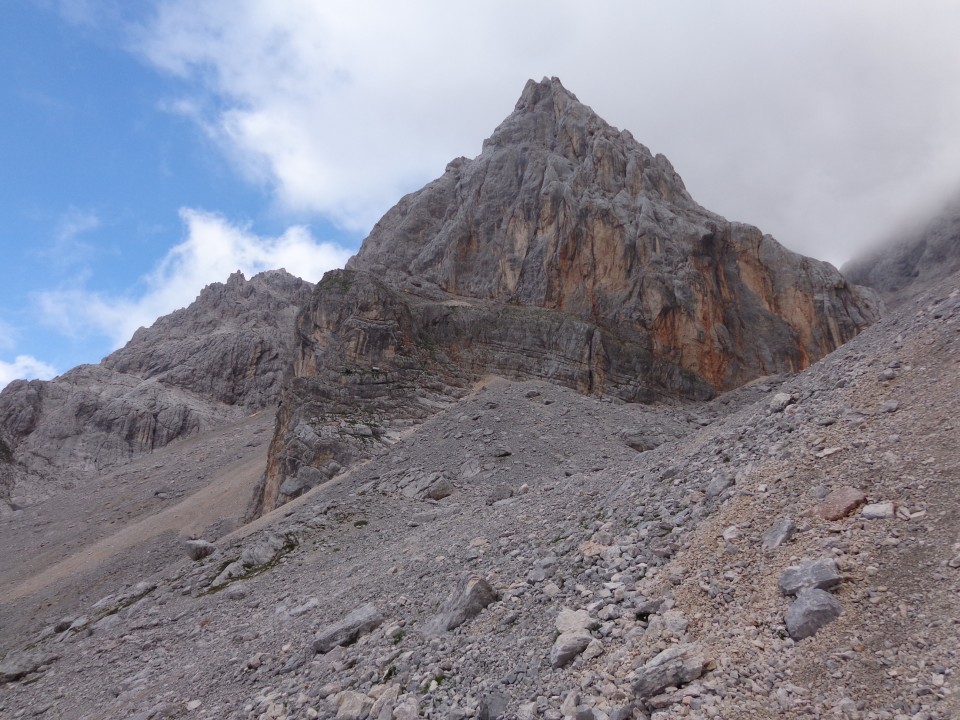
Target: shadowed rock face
{"x": 564, "y": 251}
{"x": 222, "y": 357}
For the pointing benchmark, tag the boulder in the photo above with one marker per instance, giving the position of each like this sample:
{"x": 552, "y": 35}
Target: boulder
{"x": 812, "y": 610}
{"x": 778, "y": 534}
{"x": 822, "y": 574}
{"x": 841, "y": 502}
{"x": 675, "y": 666}
{"x": 471, "y": 595}
{"x": 359, "y": 622}
{"x": 567, "y": 646}
{"x": 199, "y": 549}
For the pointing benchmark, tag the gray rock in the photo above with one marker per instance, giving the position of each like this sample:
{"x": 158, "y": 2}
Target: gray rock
{"x": 18, "y": 666}
{"x": 878, "y": 511}
{"x": 199, "y": 549}
{"x": 822, "y": 574}
{"x": 716, "y": 486}
{"x": 567, "y": 646}
{"x": 408, "y": 709}
{"x": 779, "y": 402}
{"x": 472, "y": 594}
{"x": 359, "y": 622}
{"x": 812, "y": 610}
{"x": 675, "y": 666}
{"x": 263, "y": 551}
{"x": 572, "y": 620}
{"x": 493, "y": 706}
{"x": 779, "y": 533}
{"x": 353, "y": 705}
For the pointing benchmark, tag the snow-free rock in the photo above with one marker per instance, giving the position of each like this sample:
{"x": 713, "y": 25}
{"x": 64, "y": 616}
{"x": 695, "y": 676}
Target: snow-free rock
{"x": 812, "y": 610}
{"x": 362, "y": 620}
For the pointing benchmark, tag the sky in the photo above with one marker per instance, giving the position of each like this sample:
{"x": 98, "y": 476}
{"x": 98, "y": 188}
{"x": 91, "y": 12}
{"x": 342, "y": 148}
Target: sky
{"x": 148, "y": 149}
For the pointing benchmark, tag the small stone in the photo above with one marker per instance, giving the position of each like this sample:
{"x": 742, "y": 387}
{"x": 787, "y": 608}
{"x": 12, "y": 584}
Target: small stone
{"x": 822, "y": 574}
{"x": 574, "y": 620}
{"x": 731, "y": 533}
{"x": 841, "y": 502}
{"x": 567, "y": 646}
{"x": 675, "y": 666}
{"x": 353, "y": 705}
{"x": 465, "y": 601}
{"x": 812, "y": 610}
{"x": 878, "y": 511}
{"x": 779, "y": 402}
{"x": 306, "y": 607}
{"x": 954, "y": 562}
{"x": 890, "y": 406}
{"x": 716, "y": 486}
{"x": 594, "y": 649}
{"x": 779, "y": 534}
{"x": 527, "y": 711}
{"x": 360, "y": 621}
{"x": 493, "y": 706}
{"x": 194, "y": 704}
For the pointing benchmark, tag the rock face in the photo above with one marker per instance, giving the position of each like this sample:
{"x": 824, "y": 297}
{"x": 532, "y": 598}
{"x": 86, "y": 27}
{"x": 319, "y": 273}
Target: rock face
{"x": 566, "y": 251}
{"x": 220, "y": 358}
{"x": 902, "y": 268}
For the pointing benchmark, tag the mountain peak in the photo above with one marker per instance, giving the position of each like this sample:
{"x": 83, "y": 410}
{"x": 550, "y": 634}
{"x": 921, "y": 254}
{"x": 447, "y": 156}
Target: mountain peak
{"x": 547, "y": 90}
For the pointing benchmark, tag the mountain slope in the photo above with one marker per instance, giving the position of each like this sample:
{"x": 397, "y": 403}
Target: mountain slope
{"x": 564, "y": 251}
{"x": 644, "y": 551}
{"x": 199, "y": 368}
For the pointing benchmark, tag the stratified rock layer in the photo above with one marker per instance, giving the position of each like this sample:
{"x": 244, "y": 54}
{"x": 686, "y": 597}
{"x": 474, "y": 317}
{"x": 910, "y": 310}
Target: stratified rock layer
{"x": 220, "y": 358}
{"x": 565, "y": 251}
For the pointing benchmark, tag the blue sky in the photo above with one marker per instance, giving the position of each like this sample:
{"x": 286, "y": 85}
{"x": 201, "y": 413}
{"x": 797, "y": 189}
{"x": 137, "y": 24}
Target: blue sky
{"x": 150, "y": 148}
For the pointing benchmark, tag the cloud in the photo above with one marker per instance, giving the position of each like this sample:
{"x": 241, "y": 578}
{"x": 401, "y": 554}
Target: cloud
{"x": 212, "y": 250}
{"x": 24, "y": 367}
{"x": 820, "y": 122}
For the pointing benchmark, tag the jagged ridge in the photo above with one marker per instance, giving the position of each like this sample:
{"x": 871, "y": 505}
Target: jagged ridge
{"x": 223, "y": 356}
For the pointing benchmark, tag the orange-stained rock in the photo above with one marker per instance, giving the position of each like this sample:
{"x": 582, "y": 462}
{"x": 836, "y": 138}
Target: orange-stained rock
{"x": 564, "y": 251}
{"x": 841, "y": 502}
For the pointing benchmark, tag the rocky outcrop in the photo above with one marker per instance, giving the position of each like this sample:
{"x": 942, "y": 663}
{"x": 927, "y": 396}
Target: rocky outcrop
{"x": 564, "y": 251}
{"x": 908, "y": 265}
{"x": 220, "y": 358}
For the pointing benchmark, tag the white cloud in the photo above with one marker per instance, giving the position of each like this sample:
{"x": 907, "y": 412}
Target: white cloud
{"x": 212, "y": 250}
{"x": 8, "y": 336}
{"x": 75, "y": 222}
{"x": 24, "y": 367}
{"x": 820, "y": 122}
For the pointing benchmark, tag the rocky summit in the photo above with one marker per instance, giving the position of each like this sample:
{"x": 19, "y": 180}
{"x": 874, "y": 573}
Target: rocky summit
{"x": 564, "y": 251}
{"x": 505, "y": 489}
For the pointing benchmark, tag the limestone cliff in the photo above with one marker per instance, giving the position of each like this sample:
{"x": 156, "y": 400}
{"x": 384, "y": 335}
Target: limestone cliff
{"x": 223, "y": 356}
{"x": 566, "y": 251}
